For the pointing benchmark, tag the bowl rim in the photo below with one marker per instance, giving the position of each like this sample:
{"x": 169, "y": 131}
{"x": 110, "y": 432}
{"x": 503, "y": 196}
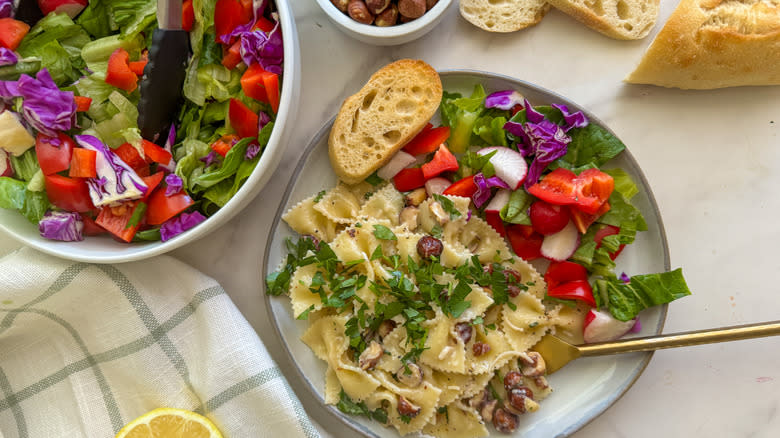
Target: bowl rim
{"x": 323, "y": 132}
{"x": 389, "y": 32}
{"x": 269, "y": 160}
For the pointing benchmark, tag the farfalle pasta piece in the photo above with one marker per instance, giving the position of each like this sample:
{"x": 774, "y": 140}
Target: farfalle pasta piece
{"x": 384, "y": 205}
{"x": 338, "y": 204}
{"x": 305, "y": 220}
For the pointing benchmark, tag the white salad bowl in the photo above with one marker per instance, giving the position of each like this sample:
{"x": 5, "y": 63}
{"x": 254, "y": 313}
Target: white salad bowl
{"x": 104, "y": 249}
{"x": 385, "y": 36}
{"x": 583, "y": 389}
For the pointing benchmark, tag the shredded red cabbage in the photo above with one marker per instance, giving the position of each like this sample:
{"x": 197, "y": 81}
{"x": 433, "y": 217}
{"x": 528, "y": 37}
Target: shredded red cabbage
{"x": 210, "y": 158}
{"x": 266, "y": 50}
{"x": 171, "y": 166}
{"x": 251, "y": 151}
{"x": 115, "y": 178}
{"x": 179, "y": 224}
{"x": 61, "y": 225}
{"x": 8, "y": 57}
{"x": 45, "y": 107}
{"x": 7, "y": 9}
{"x": 482, "y": 195}
{"x": 174, "y": 184}
{"x": 504, "y": 100}
{"x": 573, "y": 120}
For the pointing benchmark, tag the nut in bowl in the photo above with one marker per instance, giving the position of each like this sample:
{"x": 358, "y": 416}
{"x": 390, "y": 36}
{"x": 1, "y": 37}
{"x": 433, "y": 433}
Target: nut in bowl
{"x": 385, "y": 22}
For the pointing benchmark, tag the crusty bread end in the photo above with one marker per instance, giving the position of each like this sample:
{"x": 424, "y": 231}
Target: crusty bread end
{"x": 503, "y": 15}
{"x": 619, "y": 19}
{"x": 377, "y": 121}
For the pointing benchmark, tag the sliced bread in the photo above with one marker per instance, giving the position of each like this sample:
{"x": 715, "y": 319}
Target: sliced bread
{"x": 372, "y": 125}
{"x": 713, "y": 44}
{"x": 503, "y": 15}
{"x": 619, "y": 19}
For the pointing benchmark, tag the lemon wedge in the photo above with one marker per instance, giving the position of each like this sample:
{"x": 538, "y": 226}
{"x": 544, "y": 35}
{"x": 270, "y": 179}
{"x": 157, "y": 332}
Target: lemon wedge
{"x": 170, "y": 423}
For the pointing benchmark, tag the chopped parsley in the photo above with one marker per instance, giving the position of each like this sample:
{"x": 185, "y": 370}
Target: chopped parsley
{"x": 384, "y": 233}
{"x": 447, "y": 205}
{"x": 319, "y": 196}
{"x": 349, "y": 407}
{"x": 374, "y": 179}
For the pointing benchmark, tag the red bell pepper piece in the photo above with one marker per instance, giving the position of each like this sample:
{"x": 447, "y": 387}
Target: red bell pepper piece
{"x": 584, "y": 220}
{"x": 71, "y": 194}
{"x": 152, "y": 181}
{"x": 409, "y": 179}
{"x": 82, "y": 103}
{"x": 261, "y": 85}
{"x": 493, "y": 218}
{"x": 231, "y": 55}
{"x": 564, "y": 272}
{"x": 129, "y": 154}
{"x": 187, "y": 15}
{"x": 243, "y": 120}
{"x": 82, "y": 163}
{"x": 52, "y": 157}
{"x": 160, "y": 207}
{"x": 574, "y": 290}
{"x": 465, "y": 187}
{"x": 228, "y": 14}
{"x": 91, "y": 228}
{"x": 264, "y": 24}
{"x": 156, "y": 153}
{"x": 223, "y": 144}
{"x": 119, "y": 73}
{"x": 116, "y": 220}
{"x": 587, "y": 192}
{"x": 443, "y": 161}
{"x": 526, "y": 243}
{"x": 427, "y": 140}
{"x": 138, "y": 67}
{"x": 12, "y": 32}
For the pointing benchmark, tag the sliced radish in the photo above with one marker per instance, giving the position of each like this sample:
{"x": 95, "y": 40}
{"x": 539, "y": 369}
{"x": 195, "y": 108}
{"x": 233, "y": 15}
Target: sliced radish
{"x": 561, "y": 245}
{"x": 509, "y": 165}
{"x": 5, "y": 164}
{"x": 399, "y": 161}
{"x": 437, "y": 186}
{"x": 601, "y": 326}
{"x": 70, "y": 7}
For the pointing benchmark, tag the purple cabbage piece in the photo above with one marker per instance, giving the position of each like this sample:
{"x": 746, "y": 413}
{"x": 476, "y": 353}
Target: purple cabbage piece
{"x": 531, "y": 114}
{"x": 637, "y": 326}
{"x": 624, "y": 278}
{"x": 7, "y": 56}
{"x": 7, "y": 9}
{"x": 263, "y": 119}
{"x": 174, "y": 184}
{"x": 116, "y": 181}
{"x": 45, "y": 107}
{"x": 259, "y": 10}
{"x": 179, "y": 224}
{"x": 495, "y": 181}
{"x": 171, "y": 166}
{"x": 268, "y": 51}
{"x": 573, "y": 120}
{"x": 251, "y": 151}
{"x": 504, "y": 100}
{"x": 62, "y": 225}
{"x": 482, "y": 195}
{"x": 210, "y": 159}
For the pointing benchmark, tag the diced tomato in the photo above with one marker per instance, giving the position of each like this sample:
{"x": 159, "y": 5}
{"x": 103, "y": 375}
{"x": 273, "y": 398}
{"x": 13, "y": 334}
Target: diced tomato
{"x": 228, "y": 14}
{"x": 547, "y": 218}
{"x": 409, "y": 179}
{"x": 138, "y": 67}
{"x": 12, "y": 32}
{"x": 161, "y": 207}
{"x": 82, "y": 163}
{"x": 557, "y": 187}
{"x": 152, "y": 181}
{"x": 608, "y": 230}
{"x": 593, "y": 189}
{"x": 156, "y": 153}
{"x": 427, "y": 140}
{"x": 564, "y": 272}
{"x": 119, "y": 73}
{"x": 224, "y": 144}
{"x": 187, "y": 15}
{"x": 53, "y": 158}
{"x": 443, "y": 161}
{"x": 82, "y": 103}
{"x": 574, "y": 290}
{"x": 115, "y": 220}
{"x": 71, "y": 194}
{"x": 129, "y": 154}
{"x": 465, "y": 187}
{"x": 91, "y": 228}
{"x": 584, "y": 220}
{"x": 231, "y": 55}
{"x": 243, "y": 120}
{"x": 264, "y": 24}
{"x": 527, "y": 246}
{"x": 261, "y": 85}
{"x": 493, "y": 218}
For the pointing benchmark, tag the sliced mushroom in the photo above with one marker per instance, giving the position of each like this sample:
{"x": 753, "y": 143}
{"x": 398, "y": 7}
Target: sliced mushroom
{"x": 415, "y": 197}
{"x": 386, "y": 327}
{"x": 406, "y": 408}
{"x": 438, "y": 211}
{"x": 370, "y": 356}
{"x": 533, "y": 364}
{"x": 408, "y": 218}
{"x": 487, "y": 410}
{"x": 410, "y": 375}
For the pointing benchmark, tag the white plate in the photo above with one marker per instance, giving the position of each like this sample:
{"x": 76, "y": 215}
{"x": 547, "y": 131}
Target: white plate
{"x": 583, "y": 389}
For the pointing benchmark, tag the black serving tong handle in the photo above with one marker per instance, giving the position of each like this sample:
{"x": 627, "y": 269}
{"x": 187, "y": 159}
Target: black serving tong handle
{"x": 161, "y": 85}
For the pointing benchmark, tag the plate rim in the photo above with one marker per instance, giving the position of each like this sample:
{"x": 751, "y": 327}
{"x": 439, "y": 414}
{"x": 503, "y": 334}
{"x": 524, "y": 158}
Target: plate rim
{"x": 323, "y": 131}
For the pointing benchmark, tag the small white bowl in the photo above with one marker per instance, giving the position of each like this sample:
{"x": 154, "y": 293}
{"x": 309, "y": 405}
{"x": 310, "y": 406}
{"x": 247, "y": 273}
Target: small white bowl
{"x": 104, "y": 249}
{"x": 385, "y": 36}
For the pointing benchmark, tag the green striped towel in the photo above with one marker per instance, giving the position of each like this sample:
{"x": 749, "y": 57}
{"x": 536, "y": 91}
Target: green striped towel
{"x": 85, "y": 349}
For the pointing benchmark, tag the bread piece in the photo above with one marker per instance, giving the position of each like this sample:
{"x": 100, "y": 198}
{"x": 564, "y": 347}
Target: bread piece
{"x": 372, "y": 125}
{"x": 714, "y": 44}
{"x": 619, "y": 19}
{"x": 503, "y": 15}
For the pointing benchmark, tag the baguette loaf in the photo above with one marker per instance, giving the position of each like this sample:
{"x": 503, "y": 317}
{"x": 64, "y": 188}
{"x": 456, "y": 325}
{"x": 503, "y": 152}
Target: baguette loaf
{"x": 715, "y": 43}
{"x": 503, "y": 15}
{"x": 372, "y": 125}
{"x": 619, "y": 19}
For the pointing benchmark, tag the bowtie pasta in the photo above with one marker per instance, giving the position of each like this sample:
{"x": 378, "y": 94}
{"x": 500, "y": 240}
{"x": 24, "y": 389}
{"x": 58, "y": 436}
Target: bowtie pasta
{"x": 422, "y": 314}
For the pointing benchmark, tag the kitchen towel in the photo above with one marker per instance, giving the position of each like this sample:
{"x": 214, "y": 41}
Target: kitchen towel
{"x": 85, "y": 349}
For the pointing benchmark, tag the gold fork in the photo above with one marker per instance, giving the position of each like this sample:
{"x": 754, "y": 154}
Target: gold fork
{"x": 557, "y": 352}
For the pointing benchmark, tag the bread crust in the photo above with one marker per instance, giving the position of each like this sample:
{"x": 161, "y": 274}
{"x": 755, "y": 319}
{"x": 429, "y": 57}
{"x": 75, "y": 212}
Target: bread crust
{"x": 373, "y": 124}
{"x": 507, "y": 16}
{"x": 604, "y": 16}
{"x": 710, "y": 44}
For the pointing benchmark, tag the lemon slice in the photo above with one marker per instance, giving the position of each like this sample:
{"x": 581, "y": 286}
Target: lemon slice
{"x": 170, "y": 423}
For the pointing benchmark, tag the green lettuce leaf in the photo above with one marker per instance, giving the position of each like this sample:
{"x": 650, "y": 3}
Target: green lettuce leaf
{"x": 460, "y": 114}
{"x": 15, "y": 196}
{"x": 591, "y": 146}
{"x": 626, "y": 300}
{"x": 26, "y": 165}
{"x": 230, "y": 165}
{"x": 490, "y": 129}
{"x": 516, "y": 210}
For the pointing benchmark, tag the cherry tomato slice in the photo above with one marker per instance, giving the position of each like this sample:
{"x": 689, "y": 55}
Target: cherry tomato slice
{"x": 54, "y": 155}
{"x": 71, "y": 194}
{"x": 564, "y": 272}
{"x": 527, "y": 246}
{"x": 574, "y": 290}
{"x": 547, "y": 218}
{"x": 409, "y": 179}
{"x": 465, "y": 187}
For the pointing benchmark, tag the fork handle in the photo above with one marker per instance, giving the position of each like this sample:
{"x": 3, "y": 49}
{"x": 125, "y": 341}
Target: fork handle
{"x": 698, "y": 337}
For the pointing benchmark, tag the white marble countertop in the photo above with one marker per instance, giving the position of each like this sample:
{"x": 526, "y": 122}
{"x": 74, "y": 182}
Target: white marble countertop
{"x": 712, "y": 159}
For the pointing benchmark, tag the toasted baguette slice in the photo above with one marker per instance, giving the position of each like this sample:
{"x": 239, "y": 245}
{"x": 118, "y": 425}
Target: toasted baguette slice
{"x": 619, "y": 19}
{"x": 713, "y": 44}
{"x": 372, "y": 125}
{"x": 503, "y": 15}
